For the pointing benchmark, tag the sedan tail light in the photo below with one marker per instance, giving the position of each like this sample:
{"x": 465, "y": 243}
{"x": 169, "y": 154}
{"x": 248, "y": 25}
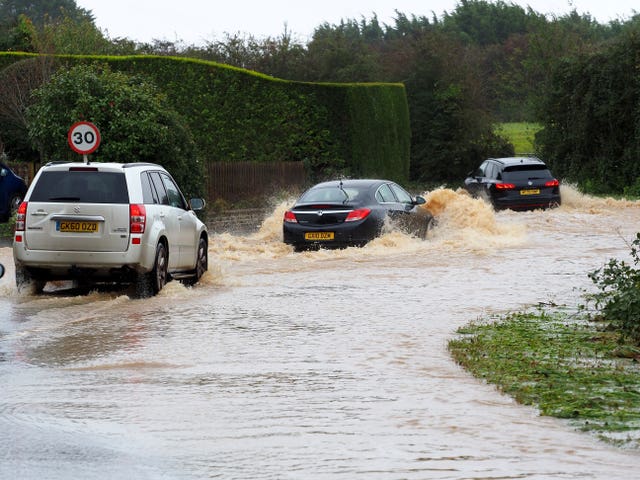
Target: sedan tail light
{"x": 290, "y": 217}
{"x": 552, "y": 183}
{"x": 358, "y": 214}
{"x": 138, "y": 218}
{"x": 505, "y": 186}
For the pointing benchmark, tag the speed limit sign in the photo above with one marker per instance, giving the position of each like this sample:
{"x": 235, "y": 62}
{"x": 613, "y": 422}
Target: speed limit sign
{"x": 84, "y": 138}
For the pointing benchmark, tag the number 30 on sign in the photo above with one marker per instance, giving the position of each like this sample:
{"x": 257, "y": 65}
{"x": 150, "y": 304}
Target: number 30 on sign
{"x": 84, "y": 138}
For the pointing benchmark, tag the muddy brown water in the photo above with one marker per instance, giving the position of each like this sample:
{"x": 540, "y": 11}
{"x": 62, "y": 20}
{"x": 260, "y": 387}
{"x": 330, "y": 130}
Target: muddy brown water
{"x": 316, "y": 365}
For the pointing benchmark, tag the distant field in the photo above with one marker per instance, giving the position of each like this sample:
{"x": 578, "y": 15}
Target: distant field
{"x": 521, "y": 134}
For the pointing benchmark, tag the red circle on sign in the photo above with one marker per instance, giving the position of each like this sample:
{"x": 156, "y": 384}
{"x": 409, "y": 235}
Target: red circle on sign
{"x": 83, "y": 138}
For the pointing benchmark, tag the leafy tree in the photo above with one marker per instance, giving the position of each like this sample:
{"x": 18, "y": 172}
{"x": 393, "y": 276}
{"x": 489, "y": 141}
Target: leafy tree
{"x": 49, "y": 26}
{"x": 135, "y": 121}
{"x": 450, "y": 124}
{"x": 485, "y": 23}
{"x": 17, "y": 82}
{"x": 349, "y": 52}
{"x": 40, "y": 10}
{"x": 68, "y": 35}
{"x": 591, "y": 117}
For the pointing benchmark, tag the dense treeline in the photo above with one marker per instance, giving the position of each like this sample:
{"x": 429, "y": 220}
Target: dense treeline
{"x": 591, "y": 117}
{"x": 483, "y": 62}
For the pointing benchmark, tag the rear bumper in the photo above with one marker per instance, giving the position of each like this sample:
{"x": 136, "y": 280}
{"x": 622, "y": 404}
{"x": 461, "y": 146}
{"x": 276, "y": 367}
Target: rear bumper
{"x": 345, "y": 235}
{"x": 513, "y": 202}
{"x": 60, "y": 265}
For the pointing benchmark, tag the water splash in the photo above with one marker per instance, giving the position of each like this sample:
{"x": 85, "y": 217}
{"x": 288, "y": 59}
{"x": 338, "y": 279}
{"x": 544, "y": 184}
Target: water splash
{"x": 467, "y": 223}
{"x": 573, "y": 199}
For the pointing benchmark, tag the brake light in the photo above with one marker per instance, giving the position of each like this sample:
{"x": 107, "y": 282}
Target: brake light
{"x": 505, "y": 186}
{"x": 290, "y": 217}
{"x": 552, "y": 183}
{"x": 21, "y": 216}
{"x": 358, "y": 214}
{"x": 138, "y": 218}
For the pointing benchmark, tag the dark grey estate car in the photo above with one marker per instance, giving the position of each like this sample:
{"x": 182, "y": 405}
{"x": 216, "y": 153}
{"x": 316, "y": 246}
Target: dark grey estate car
{"x": 517, "y": 183}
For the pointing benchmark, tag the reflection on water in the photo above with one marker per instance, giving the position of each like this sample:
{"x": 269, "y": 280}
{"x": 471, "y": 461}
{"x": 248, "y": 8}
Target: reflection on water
{"x": 328, "y": 364}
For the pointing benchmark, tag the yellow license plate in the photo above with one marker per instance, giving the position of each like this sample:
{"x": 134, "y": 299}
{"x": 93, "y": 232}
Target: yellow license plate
{"x": 531, "y": 191}
{"x": 77, "y": 227}
{"x": 319, "y": 236}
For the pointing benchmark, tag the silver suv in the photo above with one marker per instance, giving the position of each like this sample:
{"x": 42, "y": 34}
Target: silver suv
{"x": 108, "y": 222}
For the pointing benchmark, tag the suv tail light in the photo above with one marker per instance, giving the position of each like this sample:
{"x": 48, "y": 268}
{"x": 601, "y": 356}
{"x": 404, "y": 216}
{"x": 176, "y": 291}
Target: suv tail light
{"x": 505, "y": 186}
{"x": 552, "y": 183}
{"x": 138, "y": 216}
{"x": 290, "y": 217}
{"x": 358, "y": 214}
{"x": 21, "y": 216}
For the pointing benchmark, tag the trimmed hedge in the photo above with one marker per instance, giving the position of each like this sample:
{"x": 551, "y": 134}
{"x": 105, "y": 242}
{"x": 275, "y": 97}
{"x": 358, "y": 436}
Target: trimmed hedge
{"x": 239, "y": 115}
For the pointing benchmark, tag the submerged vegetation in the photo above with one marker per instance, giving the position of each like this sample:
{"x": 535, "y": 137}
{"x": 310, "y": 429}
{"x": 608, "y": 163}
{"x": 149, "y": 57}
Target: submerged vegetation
{"x": 562, "y": 363}
{"x": 580, "y": 365}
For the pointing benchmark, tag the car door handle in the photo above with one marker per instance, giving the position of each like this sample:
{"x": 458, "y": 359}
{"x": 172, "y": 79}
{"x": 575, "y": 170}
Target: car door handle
{"x": 39, "y": 213}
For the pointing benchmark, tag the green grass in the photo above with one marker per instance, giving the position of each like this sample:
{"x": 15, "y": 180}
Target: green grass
{"x": 520, "y": 134}
{"x": 564, "y": 365}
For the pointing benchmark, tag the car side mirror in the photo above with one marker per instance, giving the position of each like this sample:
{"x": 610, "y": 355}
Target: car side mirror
{"x": 197, "y": 204}
{"x": 419, "y": 200}
{"x": 1, "y": 270}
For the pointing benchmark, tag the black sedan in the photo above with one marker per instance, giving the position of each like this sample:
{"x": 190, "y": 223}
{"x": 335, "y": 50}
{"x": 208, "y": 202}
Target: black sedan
{"x": 344, "y": 213}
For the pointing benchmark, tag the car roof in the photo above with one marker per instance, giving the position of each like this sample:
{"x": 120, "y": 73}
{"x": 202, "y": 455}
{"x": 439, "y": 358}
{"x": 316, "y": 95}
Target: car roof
{"x": 361, "y": 182}
{"x": 509, "y": 161}
{"x": 103, "y": 165}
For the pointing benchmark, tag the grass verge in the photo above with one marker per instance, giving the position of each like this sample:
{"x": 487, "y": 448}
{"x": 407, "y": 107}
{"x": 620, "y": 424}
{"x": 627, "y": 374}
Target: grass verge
{"x": 520, "y": 134}
{"x": 566, "y": 366}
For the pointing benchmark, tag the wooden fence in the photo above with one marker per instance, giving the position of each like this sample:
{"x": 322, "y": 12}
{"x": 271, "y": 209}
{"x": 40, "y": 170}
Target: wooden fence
{"x": 24, "y": 170}
{"x": 239, "y": 181}
{"x": 231, "y": 182}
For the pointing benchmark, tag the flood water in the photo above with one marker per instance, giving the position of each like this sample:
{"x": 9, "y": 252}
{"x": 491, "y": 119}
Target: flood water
{"x": 316, "y": 365}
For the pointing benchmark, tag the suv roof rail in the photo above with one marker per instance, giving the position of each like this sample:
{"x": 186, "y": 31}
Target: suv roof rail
{"x": 56, "y": 162}
{"x": 140, "y": 164}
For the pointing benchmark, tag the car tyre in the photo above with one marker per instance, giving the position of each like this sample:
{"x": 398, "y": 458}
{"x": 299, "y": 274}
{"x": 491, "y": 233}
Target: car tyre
{"x": 202, "y": 263}
{"x": 149, "y": 284}
{"x": 26, "y": 283}
{"x": 425, "y": 227}
{"x": 14, "y": 203}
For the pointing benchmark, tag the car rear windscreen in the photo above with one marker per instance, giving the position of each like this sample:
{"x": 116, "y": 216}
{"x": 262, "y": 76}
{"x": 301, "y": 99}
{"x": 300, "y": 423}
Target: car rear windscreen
{"x": 330, "y": 194}
{"x": 81, "y": 186}
{"x": 525, "y": 172}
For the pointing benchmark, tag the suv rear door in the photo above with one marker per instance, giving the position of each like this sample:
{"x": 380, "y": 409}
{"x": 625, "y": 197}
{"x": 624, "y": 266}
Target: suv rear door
{"x": 169, "y": 215}
{"x": 78, "y": 209}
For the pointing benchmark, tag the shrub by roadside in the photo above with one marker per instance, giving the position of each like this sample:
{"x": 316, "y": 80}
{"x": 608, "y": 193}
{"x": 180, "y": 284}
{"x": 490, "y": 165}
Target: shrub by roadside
{"x": 6, "y": 229}
{"x": 617, "y": 301}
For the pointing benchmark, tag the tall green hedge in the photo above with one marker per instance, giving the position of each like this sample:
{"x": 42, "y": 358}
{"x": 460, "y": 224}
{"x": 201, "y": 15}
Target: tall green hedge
{"x": 239, "y": 115}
